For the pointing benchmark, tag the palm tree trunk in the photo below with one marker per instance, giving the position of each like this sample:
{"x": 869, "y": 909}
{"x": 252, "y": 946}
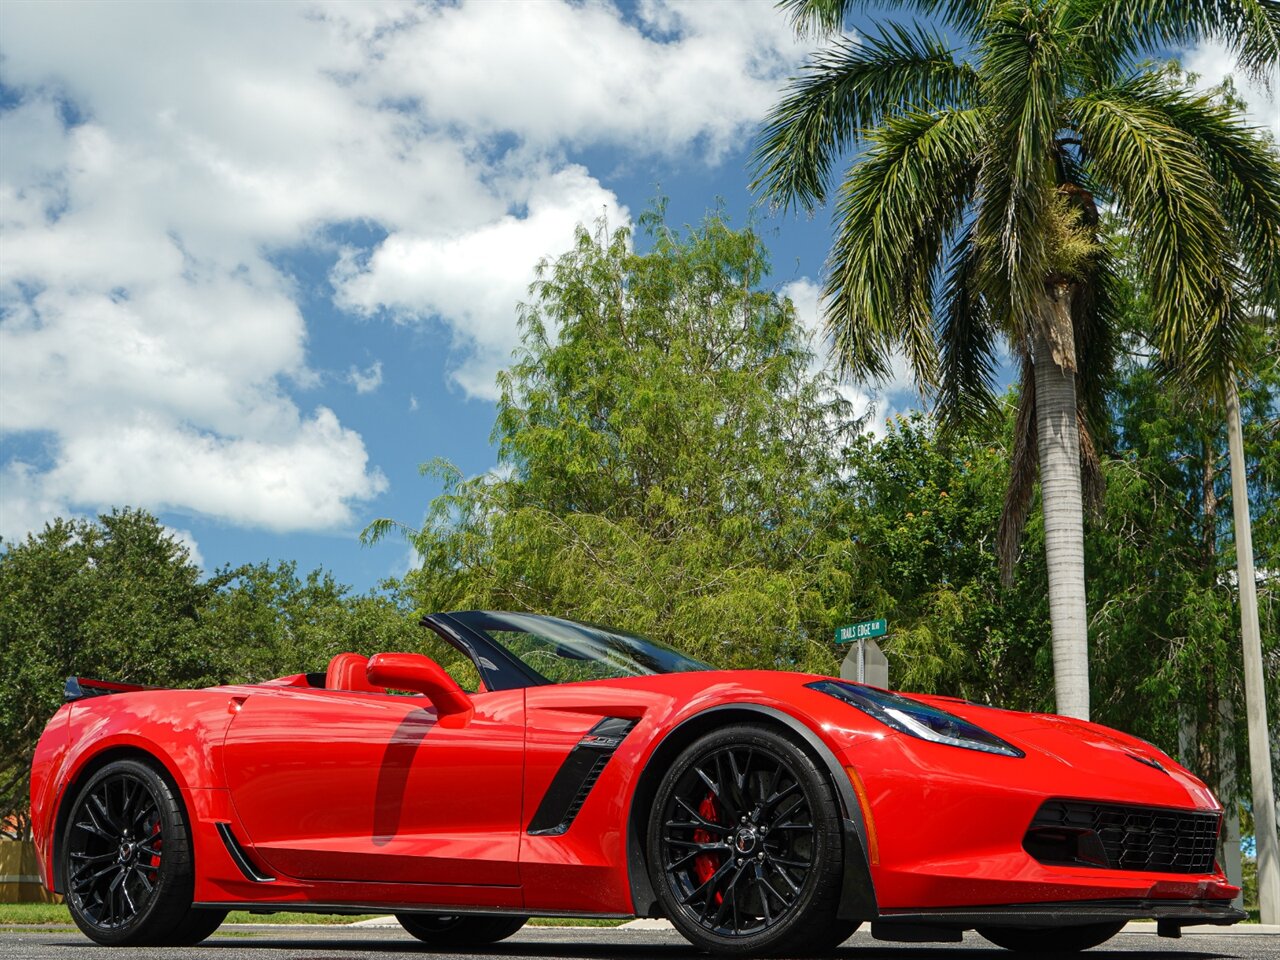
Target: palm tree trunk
{"x": 1264, "y": 798}
{"x": 1059, "y": 448}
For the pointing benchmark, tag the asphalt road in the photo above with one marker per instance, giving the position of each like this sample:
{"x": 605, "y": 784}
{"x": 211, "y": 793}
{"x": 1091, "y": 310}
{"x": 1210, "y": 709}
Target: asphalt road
{"x": 329, "y": 943}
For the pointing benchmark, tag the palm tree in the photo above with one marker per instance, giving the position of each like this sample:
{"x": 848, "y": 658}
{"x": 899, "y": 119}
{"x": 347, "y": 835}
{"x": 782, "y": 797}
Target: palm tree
{"x": 970, "y": 217}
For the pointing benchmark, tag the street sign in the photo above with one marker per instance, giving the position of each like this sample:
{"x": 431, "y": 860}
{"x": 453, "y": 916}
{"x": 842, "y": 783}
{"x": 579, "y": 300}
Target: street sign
{"x": 862, "y": 631}
{"x": 866, "y": 663}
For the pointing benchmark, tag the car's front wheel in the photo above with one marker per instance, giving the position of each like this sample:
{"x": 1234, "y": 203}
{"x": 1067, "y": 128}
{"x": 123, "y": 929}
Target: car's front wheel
{"x": 744, "y": 846}
{"x": 126, "y": 860}
{"x": 473, "y": 930}
{"x": 1051, "y": 939}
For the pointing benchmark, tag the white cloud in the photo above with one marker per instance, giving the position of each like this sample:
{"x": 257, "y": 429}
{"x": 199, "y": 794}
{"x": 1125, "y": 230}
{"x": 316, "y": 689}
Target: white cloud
{"x": 25, "y": 504}
{"x": 554, "y": 73}
{"x": 1213, "y": 63}
{"x": 367, "y": 380}
{"x": 145, "y": 328}
{"x": 476, "y": 279}
{"x": 187, "y": 541}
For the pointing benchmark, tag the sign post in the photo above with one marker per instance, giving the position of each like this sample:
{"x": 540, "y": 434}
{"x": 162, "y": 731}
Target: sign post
{"x": 865, "y": 662}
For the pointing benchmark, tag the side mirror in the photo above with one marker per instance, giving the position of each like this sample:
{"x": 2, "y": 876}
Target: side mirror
{"x": 413, "y": 671}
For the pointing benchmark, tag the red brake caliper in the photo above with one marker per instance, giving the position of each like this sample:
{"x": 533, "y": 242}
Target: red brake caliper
{"x": 153, "y": 861}
{"x": 706, "y": 864}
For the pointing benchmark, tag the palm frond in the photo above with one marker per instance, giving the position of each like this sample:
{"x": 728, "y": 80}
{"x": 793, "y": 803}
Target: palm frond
{"x": 1021, "y": 79}
{"x": 1166, "y": 191}
{"x": 896, "y": 210}
{"x": 845, "y": 89}
{"x": 1094, "y": 322}
{"x": 966, "y": 341}
{"x": 1095, "y": 318}
{"x": 1093, "y": 486}
{"x": 1118, "y": 31}
{"x": 810, "y": 17}
{"x": 829, "y": 16}
{"x": 1024, "y": 467}
{"x": 1241, "y": 159}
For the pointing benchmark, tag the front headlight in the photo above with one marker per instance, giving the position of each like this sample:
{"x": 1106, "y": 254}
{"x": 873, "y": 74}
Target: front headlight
{"x": 917, "y": 719}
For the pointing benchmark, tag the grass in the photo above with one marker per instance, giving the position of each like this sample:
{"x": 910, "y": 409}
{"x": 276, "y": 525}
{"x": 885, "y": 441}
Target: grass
{"x": 34, "y": 915}
{"x": 330, "y": 919}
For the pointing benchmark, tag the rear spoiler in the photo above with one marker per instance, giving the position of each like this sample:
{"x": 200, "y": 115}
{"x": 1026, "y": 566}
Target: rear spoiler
{"x": 82, "y": 688}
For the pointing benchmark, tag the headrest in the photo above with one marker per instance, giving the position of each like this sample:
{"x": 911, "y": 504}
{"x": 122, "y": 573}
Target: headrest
{"x": 347, "y": 672}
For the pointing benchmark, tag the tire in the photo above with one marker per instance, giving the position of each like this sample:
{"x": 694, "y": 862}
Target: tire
{"x": 126, "y": 857}
{"x": 1051, "y": 939}
{"x": 197, "y": 925}
{"x": 742, "y": 812}
{"x": 440, "y": 930}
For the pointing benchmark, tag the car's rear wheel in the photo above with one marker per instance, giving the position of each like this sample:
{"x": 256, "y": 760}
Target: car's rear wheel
{"x": 127, "y": 859}
{"x": 744, "y": 846}
{"x": 472, "y": 930}
{"x": 1051, "y": 939}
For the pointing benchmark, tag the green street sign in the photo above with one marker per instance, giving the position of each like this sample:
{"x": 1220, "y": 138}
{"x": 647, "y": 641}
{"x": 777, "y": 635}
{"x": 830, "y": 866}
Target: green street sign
{"x": 862, "y": 631}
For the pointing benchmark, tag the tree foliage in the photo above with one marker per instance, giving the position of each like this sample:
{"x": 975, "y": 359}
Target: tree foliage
{"x": 118, "y": 599}
{"x": 664, "y": 449}
{"x": 1163, "y": 561}
{"x": 921, "y": 511}
{"x": 115, "y": 598}
{"x": 984, "y": 140}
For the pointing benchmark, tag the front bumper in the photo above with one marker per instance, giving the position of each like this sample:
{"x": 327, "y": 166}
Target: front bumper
{"x": 947, "y": 925}
{"x": 1170, "y": 915}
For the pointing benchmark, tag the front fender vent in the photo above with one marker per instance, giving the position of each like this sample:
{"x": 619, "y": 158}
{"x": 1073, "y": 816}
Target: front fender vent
{"x": 576, "y": 777}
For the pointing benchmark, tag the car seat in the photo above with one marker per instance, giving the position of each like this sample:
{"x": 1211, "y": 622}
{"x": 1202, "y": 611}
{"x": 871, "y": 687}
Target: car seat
{"x": 347, "y": 672}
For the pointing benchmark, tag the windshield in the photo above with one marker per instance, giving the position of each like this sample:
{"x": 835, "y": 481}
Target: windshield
{"x": 565, "y": 651}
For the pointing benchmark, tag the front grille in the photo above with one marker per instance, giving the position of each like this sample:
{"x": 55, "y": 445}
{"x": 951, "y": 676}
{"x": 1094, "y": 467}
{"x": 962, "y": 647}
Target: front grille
{"x": 1122, "y": 837}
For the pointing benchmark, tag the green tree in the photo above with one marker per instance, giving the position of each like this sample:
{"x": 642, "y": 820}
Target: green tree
{"x": 664, "y": 452}
{"x": 921, "y": 510}
{"x": 115, "y": 598}
{"x": 1168, "y": 585}
{"x": 1163, "y": 560}
{"x": 266, "y": 621}
{"x": 971, "y": 217}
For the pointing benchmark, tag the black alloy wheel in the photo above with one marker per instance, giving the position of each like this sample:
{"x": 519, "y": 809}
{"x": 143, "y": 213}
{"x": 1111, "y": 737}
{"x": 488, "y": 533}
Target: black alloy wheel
{"x": 1052, "y": 939}
{"x": 127, "y": 860}
{"x": 745, "y": 846}
{"x": 461, "y": 930}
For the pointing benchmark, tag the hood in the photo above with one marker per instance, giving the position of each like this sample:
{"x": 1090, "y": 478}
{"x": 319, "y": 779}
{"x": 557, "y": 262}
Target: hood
{"x": 1096, "y": 761}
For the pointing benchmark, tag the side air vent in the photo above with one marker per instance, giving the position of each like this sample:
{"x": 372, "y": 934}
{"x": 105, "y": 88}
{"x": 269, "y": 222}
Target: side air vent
{"x": 578, "y": 774}
{"x": 241, "y": 858}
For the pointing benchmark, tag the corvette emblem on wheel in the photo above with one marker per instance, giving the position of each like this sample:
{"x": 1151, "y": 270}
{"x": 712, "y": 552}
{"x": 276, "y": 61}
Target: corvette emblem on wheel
{"x": 592, "y": 772}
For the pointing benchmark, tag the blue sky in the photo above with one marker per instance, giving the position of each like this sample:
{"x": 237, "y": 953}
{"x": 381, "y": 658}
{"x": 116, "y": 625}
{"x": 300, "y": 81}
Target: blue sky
{"x": 259, "y": 261}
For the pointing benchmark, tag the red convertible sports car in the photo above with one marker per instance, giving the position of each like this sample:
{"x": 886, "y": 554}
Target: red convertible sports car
{"x": 595, "y": 773}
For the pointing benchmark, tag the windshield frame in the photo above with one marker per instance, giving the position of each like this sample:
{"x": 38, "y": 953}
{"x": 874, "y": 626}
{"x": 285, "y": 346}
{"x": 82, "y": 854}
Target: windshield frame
{"x": 499, "y": 668}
